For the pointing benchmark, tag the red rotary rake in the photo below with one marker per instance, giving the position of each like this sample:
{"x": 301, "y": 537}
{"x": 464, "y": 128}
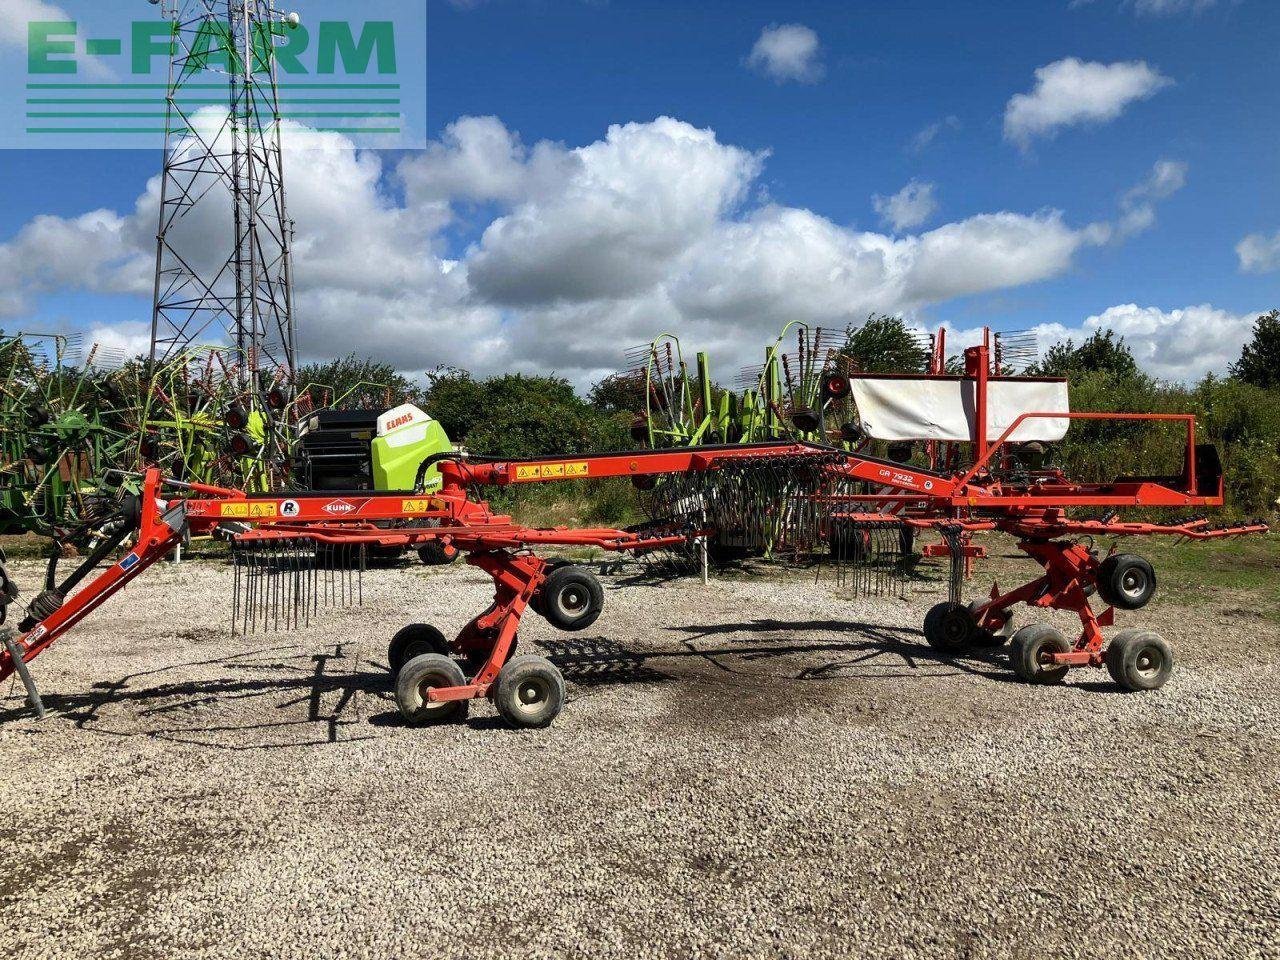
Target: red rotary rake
{"x": 294, "y": 553}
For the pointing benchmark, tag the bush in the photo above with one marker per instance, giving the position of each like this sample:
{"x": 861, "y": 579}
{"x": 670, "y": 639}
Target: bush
{"x": 1243, "y": 420}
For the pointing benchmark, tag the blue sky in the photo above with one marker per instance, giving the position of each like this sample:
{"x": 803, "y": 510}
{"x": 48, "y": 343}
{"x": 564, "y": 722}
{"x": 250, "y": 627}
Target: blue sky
{"x": 563, "y": 71}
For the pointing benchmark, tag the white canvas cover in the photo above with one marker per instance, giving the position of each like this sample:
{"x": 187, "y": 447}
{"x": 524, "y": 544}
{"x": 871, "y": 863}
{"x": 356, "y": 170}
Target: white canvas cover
{"x": 931, "y": 408}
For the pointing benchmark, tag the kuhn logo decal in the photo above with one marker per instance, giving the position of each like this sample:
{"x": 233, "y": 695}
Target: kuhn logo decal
{"x": 338, "y": 508}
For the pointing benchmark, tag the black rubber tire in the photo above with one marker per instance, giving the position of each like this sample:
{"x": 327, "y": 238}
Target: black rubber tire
{"x": 848, "y": 542}
{"x": 475, "y": 659}
{"x": 1032, "y": 642}
{"x": 1126, "y": 581}
{"x": 412, "y": 641}
{"x": 989, "y": 639}
{"x": 949, "y": 627}
{"x": 1139, "y": 660}
{"x": 529, "y": 692}
{"x": 433, "y": 553}
{"x": 552, "y": 566}
{"x": 418, "y": 675}
{"x": 571, "y": 599}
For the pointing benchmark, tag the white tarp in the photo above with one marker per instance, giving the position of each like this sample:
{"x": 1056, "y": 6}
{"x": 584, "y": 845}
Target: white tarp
{"x": 929, "y": 408}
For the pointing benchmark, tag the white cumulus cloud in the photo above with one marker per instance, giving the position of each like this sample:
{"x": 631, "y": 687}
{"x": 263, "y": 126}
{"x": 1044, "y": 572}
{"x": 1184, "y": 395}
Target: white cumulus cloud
{"x": 788, "y": 51}
{"x": 586, "y": 250}
{"x": 633, "y": 204}
{"x": 1072, "y": 92}
{"x": 909, "y": 207}
{"x": 1259, "y": 253}
{"x": 1181, "y": 345}
{"x": 1138, "y": 205}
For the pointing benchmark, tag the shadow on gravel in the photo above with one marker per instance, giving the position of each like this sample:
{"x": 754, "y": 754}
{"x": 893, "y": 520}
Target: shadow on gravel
{"x": 875, "y": 642}
{"x": 283, "y": 677}
{"x": 336, "y": 685}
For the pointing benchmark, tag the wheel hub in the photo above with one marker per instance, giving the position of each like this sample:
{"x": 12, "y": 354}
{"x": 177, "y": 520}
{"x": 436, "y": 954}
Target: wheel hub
{"x": 1147, "y": 662}
{"x": 426, "y": 686}
{"x": 531, "y": 694}
{"x": 1133, "y": 583}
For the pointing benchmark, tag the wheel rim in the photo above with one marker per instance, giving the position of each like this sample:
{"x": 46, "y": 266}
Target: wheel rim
{"x": 1148, "y": 663}
{"x": 428, "y": 683}
{"x": 532, "y": 694}
{"x": 1133, "y": 584}
{"x": 1042, "y": 657}
{"x": 572, "y": 601}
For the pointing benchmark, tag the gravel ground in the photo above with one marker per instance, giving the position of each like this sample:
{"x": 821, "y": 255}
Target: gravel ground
{"x": 761, "y": 768}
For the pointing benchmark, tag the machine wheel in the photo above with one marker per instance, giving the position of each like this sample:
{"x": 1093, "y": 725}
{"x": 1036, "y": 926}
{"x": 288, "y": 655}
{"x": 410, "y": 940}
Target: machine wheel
{"x": 529, "y": 691}
{"x": 848, "y": 542}
{"x": 475, "y": 659}
{"x": 1030, "y": 645}
{"x": 413, "y": 641}
{"x": 949, "y": 627}
{"x": 1126, "y": 581}
{"x": 988, "y": 638}
{"x": 418, "y": 676}
{"x": 433, "y": 553}
{"x": 1139, "y": 660}
{"x": 571, "y": 599}
{"x": 552, "y": 566}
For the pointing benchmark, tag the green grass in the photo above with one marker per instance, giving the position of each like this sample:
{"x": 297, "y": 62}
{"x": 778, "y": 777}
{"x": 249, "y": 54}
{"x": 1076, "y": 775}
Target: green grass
{"x": 1187, "y": 574}
{"x": 1248, "y": 564}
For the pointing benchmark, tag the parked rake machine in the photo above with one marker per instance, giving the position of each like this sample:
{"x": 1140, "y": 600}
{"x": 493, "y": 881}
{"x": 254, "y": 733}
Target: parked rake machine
{"x": 295, "y": 553}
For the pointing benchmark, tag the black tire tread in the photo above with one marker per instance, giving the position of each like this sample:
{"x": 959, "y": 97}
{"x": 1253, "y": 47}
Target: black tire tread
{"x": 506, "y": 691}
{"x": 421, "y": 637}
{"x": 1027, "y": 644}
{"x": 561, "y": 578}
{"x": 408, "y": 695}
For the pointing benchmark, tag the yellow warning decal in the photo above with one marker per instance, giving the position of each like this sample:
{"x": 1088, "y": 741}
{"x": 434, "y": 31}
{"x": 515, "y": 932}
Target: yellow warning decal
{"x": 415, "y": 506}
{"x": 234, "y": 510}
{"x": 551, "y": 471}
{"x": 263, "y": 510}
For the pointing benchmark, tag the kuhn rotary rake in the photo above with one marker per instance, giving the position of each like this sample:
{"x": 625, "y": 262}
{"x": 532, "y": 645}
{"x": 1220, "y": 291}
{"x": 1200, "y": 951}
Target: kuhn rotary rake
{"x": 295, "y": 553}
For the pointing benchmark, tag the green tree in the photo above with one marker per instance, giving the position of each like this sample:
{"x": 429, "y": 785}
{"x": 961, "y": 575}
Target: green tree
{"x": 354, "y": 382}
{"x": 1259, "y": 362}
{"x": 887, "y": 345}
{"x": 455, "y": 399}
{"x": 517, "y": 415}
{"x": 1103, "y": 352}
{"x": 619, "y": 393}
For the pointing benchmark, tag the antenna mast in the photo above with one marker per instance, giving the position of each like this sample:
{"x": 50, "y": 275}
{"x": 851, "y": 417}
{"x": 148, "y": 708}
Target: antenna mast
{"x": 223, "y": 268}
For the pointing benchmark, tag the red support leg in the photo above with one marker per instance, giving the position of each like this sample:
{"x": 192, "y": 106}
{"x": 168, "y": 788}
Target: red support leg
{"x": 492, "y": 634}
{"x": 1070, "y": 570}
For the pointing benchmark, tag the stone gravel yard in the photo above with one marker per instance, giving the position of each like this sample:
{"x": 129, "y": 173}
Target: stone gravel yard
{"x": 759, "y": 768}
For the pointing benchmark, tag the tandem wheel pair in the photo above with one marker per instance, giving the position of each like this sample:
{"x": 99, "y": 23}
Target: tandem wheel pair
{"x": 1040, "y": 653}
{"x": 529, "y": 690}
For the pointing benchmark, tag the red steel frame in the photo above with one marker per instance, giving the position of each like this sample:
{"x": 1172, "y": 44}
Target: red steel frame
{"x": 968, "y": 502}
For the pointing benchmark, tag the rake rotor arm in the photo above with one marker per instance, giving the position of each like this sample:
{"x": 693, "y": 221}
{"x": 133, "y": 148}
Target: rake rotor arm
{"x": 462, "y": 472}
{"x": 160, "y": 529}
